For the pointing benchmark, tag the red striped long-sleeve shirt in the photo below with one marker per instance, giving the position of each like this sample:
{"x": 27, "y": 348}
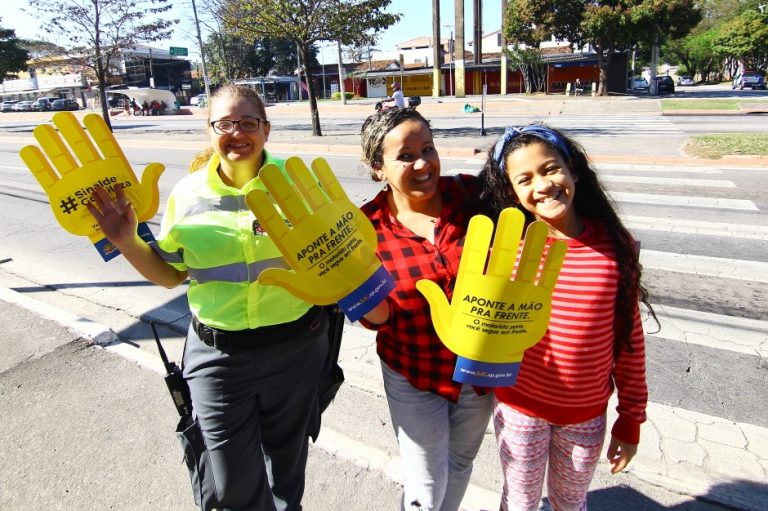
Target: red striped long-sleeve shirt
{"x": 569, "y": 376}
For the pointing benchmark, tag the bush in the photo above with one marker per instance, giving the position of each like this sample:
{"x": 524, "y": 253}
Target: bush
{"x": 347, "y": 95}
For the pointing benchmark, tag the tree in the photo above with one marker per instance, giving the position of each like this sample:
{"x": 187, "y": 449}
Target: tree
{"x": 306, "y": 22}
{"x": 93, "y": 33}
{"x": 744, "y": 38}
{"x": 13, "y": 57}
{"x": 608, "y": 25}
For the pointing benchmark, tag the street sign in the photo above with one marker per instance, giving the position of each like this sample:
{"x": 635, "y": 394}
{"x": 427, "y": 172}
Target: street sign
{"x": 179, "y": 52}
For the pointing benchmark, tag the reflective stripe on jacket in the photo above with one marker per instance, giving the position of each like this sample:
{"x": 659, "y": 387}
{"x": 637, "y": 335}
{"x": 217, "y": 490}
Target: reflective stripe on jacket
{"x": 208, "y": 231}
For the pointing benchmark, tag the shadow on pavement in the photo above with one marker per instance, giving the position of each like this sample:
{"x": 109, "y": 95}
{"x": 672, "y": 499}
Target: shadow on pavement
{"x": 737, "y": 495}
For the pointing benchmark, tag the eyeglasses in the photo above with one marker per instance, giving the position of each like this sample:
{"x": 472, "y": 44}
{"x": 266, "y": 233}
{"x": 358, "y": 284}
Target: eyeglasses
{"x": 247, "y": 124}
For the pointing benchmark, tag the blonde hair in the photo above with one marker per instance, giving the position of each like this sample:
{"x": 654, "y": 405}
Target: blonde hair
{"x": 229, "y": 91}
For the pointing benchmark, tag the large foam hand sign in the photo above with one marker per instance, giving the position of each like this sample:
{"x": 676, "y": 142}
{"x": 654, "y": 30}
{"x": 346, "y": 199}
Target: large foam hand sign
{"x": 72, "y": 163}
{"x": 330, "y": 245}
{"x": 493, "y": 318}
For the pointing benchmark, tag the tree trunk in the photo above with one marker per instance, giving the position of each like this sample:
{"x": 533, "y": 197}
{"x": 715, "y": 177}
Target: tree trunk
{"x": 603, "y": 61}
{"x": 310, "y": 90}
{"x": 102, "y": 79}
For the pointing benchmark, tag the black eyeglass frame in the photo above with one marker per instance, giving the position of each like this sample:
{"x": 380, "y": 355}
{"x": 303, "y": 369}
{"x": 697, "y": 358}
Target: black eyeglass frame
{"x": 236, "y": 123}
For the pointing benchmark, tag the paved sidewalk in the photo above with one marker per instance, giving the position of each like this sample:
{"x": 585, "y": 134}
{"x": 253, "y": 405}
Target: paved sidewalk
{"x": 693, "y": 454}
{"x": 686, "y": 452}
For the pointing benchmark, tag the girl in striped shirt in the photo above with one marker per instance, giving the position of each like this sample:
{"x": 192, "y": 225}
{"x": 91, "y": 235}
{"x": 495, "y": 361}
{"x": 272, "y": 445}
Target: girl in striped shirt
{"x": 555, "y": 414}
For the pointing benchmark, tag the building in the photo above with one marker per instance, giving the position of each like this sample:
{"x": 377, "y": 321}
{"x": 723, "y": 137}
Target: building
{"x": 142, "y": 66}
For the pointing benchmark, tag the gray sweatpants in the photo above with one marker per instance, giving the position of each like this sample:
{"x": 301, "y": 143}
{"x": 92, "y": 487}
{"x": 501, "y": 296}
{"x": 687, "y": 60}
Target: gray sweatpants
{"x": 257, "y": 406}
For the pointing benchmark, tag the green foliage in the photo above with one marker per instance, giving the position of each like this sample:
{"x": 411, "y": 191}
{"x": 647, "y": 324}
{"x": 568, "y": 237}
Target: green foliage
{"x": 608, "y": 25}
{"x": 13, "y": 57}
{"x": 745, "y": 39}
{"x": 306, "y": 22}
{"x": 715, "y": 146}
{"x": 337, "y": 95}
{"x": 231, "y": 57}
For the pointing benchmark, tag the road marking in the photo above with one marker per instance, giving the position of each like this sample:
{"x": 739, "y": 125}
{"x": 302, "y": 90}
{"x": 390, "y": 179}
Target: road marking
{"x": 669, "y": 181}
{"x": 86, "y": 328}
{"x": 684, "y": 201}
{"x": 740, "y": 335}
{"x": 679, "y": 225}
{"x": 750, "y": 271}
{"x": 640, "y": 167}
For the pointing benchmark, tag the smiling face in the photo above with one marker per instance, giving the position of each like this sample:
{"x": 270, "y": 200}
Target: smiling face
{"x": 239, "y": 148}
{"x": 545, "y": 187}
{"x": 410, "y": 163}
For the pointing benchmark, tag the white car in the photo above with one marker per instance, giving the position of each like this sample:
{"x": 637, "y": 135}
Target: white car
{"x": 199, "y": 100}
{"x": 639, "y": 83}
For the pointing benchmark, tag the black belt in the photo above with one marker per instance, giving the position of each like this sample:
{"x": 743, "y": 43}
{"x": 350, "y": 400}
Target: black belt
{"x": 256, "y": 337}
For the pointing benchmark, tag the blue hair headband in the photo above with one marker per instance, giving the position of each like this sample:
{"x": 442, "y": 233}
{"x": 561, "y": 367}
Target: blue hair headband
{"x": 535, "y": 130}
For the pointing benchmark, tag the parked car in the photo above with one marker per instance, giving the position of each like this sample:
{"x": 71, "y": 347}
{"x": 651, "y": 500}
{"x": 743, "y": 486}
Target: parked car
{"x": 65, "y": 104}
{"x": 665, "y": 85}
{"x": 199, "y": 100}
{"x": 749, "y": 79}
{"x": 639, "y": 83}
{"x": 23, "y": 106}
{"x": 685, "y": 80}
{"x": 7, "y": 106}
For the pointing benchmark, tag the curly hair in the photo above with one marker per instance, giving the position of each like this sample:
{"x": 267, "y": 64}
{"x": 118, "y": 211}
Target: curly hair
{"x": 230, "y": 91}
{"x": 376, "y": 127}
{"x": 590, "y": 201}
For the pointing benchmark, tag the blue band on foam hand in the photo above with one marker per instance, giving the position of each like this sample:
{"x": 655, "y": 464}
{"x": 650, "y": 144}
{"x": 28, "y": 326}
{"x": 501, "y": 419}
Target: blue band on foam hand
{"x": 486, "y": 374}
{"x": 536, "y": 130}
{"x": 108, "y": 251}
{"x": 371, "y": 293}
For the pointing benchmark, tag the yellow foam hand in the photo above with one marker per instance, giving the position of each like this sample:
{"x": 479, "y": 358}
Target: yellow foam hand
{"x": 72, "y": 163}
{"x": 330, "y": 245}
{"x": 493, "y": 318}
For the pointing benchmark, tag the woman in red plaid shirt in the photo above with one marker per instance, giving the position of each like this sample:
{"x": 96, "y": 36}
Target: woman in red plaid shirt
{"x": 421, "y": 220}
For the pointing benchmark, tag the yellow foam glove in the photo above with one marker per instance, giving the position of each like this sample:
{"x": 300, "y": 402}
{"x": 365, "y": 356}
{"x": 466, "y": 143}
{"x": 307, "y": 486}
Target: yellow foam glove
{"x": 73, "y": 162}
{"x": 330, "y": 244}
{"x": 493, "y": 318}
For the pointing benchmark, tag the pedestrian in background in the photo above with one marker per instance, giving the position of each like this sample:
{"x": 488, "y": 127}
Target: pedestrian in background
{"x": 421, "y": 219}
{"x": 254, "y": 354}
{"x": 554, "y": 417}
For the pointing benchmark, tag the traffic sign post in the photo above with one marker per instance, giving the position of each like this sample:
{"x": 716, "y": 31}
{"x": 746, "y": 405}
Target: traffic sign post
{"x": 179, "y": 52}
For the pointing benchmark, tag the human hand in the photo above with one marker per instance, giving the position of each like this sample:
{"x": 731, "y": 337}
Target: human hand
{"x": 330, "y": 245}
{"x": 84, "y": 167}
{"x": 620, "y": 454}
{"x": 492, "y": 318}
{"x": 116, "y": 217}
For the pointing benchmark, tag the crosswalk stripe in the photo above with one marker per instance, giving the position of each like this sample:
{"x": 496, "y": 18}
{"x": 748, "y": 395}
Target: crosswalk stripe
{"x": 684, "y": 201}
{"x": 641, "y": 167}
{"x": 740, "y": 335}
{"x": 680, "y": 225}
{"x": 752, "y": 271}
{"x": 669, "y": 181}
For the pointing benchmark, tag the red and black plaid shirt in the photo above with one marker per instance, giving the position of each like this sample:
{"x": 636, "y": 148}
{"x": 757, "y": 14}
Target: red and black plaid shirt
{"x": 407, "y": 342}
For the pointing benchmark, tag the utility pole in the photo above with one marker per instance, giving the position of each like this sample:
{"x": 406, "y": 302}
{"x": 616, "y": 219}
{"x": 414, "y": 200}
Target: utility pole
{"x": 298, "y": 63}
{"x": 449, "y": 89}
{"x": 459, "y": 88}
{"x": 503, "y": 51}
{"x": 202, "y": 55}
{"x": 437, "y": 49}
{"x": 341, "y": 75}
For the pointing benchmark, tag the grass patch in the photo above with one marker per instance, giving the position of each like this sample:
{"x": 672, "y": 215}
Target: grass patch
{"x": 699, "y": 104}
{"x": 715, "y": 146}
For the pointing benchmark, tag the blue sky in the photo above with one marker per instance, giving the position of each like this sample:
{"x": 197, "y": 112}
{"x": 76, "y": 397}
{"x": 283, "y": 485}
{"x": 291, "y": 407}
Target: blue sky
{"x": 416, "y": 21}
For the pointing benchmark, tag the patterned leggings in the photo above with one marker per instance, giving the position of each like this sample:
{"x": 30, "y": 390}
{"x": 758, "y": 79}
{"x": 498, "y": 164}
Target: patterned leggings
{"x": 526, "y": 444}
